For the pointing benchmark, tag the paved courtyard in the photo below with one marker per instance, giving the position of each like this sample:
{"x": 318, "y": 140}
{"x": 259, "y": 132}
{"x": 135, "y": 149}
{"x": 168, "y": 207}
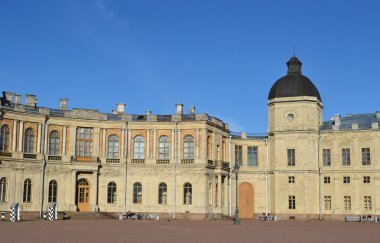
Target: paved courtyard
{"x": 112, "y": 230}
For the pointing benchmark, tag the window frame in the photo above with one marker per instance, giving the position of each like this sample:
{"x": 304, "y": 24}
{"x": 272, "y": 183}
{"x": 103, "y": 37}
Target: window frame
{"x": 239, "y": 154}
{"x": 162, "y": 193}
{"x": 327, "y": 202}
{"x": 4, "y": 138}
{"x": 292, "y": 202}
{"x": 138, "y": 147}
{"x": 187, "y": 194}
{"x": 163, "y": 147}
{"x": 29, "y": 141}
{"x": 346, "y": 179}
{"x": 113, "y": 148}
{"x": 84, "y": 142}
{"x": 111, "y": 192}
{"x": 291, "y": 157}
{"x": 366, "y": 179}
{"x": 367, "y": 203}
{"x": 291, "y": 179}
{"x": 137, "y": 193}
{"x": 3, "y": 189}
{"x": 326, "y": 155}
{"x": 188, "y": 147}
{"x": 27, "y": 192}
{"x": 347, "y": 202}
{"x": 366, "y": 156}
{"x": 346, "y": 157}
{"x": 252, "y": 156}
{"x": 326, "y": 180}
{"x": 54, "y": 142}
{"x": 53, "y": 189}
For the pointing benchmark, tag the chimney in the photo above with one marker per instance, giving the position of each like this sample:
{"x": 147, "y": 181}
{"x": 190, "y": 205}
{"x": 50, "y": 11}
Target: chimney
{"x": 337, "y": 119}
{"x": 18, "y": 99}
{"x": 378, "y": 114}
{"x": 148, "y": 112}
{"x": 120, "y": 108}
{"x": 192, "y": 110}
{"x": 179, "y": 109}
{"x": 31, "y": 100}
{"x": 8, "y": 96}
{"x": 63, "y": 104}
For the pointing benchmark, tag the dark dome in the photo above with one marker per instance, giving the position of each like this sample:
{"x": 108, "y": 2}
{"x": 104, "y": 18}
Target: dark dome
{"x": 293, "y": 84}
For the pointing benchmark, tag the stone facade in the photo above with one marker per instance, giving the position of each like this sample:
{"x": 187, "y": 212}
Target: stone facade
{"x": 182, "y": 166}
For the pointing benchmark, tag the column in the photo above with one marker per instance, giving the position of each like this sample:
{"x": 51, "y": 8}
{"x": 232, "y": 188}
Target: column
{"x": 197, "y": 144}
{"x": 129, "y": 143}
{"x": 204, "y": 144}
{"x": 73, "y": 137}
{"x": 225, "y": 203}
{"x": 147, "y": 144}
{"x": 14, "y": 136}
{"x": 154, "y": 143}
{"x": 122, "y": 143}
{"x": 64, "y": 141}
{"x": 39, "y": 138}
{"x": 220, "y": 188}
{"x": 172, "y": 144}
{"x": 73, "y": 189}
{"x": 213, "y": 147}
{"x": 96, "y": 143}
{"x": 104, "y": 151}
{"x": 179, "y": 154}
{"x": 46, "y": 138}
{"x": 21, "y": 134}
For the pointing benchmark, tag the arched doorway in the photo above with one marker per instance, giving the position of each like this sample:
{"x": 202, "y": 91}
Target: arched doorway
{"x": 83, "y": 195}
{"x": 246, "y": 201}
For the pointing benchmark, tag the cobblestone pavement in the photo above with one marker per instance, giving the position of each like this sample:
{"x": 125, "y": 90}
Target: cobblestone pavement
{"x": 112, "y": 230}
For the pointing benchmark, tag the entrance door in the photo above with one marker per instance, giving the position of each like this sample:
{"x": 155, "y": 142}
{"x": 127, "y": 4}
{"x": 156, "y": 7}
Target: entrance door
{"x": 83, "y": 195}
{"x": 246, "y": 201}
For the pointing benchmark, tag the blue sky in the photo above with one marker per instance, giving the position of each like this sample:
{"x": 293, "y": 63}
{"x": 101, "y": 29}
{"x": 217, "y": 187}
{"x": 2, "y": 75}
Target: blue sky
{"x": 221, "y": 56}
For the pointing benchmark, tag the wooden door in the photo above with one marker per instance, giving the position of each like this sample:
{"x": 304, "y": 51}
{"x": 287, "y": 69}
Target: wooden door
{"x": 246, "y": 201}
{"x": 83, "y": 195}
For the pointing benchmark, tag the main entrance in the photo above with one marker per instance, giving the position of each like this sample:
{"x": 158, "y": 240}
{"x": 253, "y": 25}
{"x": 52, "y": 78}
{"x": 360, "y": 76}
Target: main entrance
{"x": 83, "y": 195}
{"x": 245, "y": 201}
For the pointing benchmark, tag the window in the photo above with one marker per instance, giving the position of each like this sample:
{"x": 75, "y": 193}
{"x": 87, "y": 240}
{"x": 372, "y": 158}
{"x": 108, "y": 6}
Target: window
{"x": 54, "y": 143}
{"x": 326, "y": 157}
{"x": 252, "y": 156}
{"x": 162, "y": 193}
{"x": 326, "y": 179}
{"x": 187, "y": 193}
{"x": 27, "y": 197}
{"x": 3, "y": 189}
{"x": 29, "y": 141}
{"x": 346, "y": 159}
{"x": 113, "y": 147}
{"x": 4, "y": 138}
{"x": 291, "y": 179}
{"x": 366, "y": 156}
{"x": 292, "y": 202}
{"x": 138, "y": 147}
{"x": 163, "y": 147}
{"x": 111, "y": 192}
{"x": 52, "y": 197}
{"x": 291, "y": 157}
{"x": 137, "y": 193}
{"x": 84, "y": 142}
{"x": 188, "y": 147}
{"x": 327, "y": 202}
{"x": 367, "y": 203}
{"x": 366, "y": 179}
{"x": 347, "y": 202}
{"x": 239, "y": 154}
{"x": 346, "y": 179}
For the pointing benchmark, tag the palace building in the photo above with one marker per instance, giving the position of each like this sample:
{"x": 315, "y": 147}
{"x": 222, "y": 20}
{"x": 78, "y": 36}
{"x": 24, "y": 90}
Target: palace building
{"x": 182, "y": 165}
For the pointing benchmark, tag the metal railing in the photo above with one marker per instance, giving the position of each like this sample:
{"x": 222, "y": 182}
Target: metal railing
{"x": 162, "y": 161}
{"x": 5, "y": 154}
{"x": 113, "y": 161}
{"x": 187, "y": 161}
{"x": 137, "y": 161}
{"x": 55, "y": 157}
{"x": 30, "y": 156}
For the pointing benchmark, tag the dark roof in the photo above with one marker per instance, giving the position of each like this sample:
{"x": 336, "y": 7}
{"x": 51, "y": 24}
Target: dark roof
{"x": 364, "y": 121}
{"x": 294, "y": 83}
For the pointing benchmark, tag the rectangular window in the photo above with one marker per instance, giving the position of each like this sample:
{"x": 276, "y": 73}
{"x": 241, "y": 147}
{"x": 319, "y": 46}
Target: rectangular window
{"x": 291, "y": 179}
{"x": 346, "y": 158}
{"x": 292, "y": 202}
{"x": 346, "y": 179}
{"x": 326, "y": 179}
{"x": 327, "y": 202}
{"x": 239, "y": 154}
{"x": 367, "y": 203}
{"x": 252, "y": 156}
{"x": 291, "y": 157}
{"x": 366, "y": 156}
{"x": 347, "y": 202}
{"x": 366, "y": 179}
{"x": 84, "y": 143}
{"x": 326, "y": 157}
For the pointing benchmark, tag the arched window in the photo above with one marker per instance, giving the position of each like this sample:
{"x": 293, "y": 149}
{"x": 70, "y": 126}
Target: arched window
{"x": 137, "y": 193}
{"x": 54, "y": 143}
{"x": 111, "y": 192}
{"x": 188, "y": 147}
{"x": 29, "y": 141}
{"x": 162, "y": 193}
{"x": 3, "y": 189}
{"x": 163, "y": 148}
{"x": 27, "y": 196}
{"x": 187, "y": 193}
{"x": 138, "y": 147}
{"x": 113, "y": 147}
{"x": 4, "y": 138}
{"x": 52, "y": 191}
